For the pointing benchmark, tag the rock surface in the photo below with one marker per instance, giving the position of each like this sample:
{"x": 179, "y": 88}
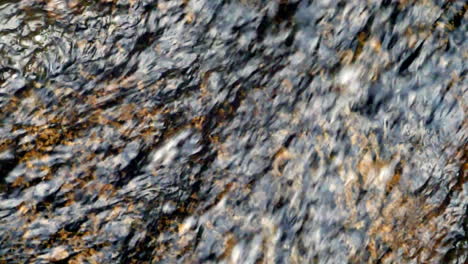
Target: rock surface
{"x": 233, "y": 131}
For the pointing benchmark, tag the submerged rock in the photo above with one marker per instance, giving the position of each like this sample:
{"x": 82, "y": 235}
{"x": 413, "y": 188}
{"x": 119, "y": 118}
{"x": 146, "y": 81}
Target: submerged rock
{"x": 198, "y": 131}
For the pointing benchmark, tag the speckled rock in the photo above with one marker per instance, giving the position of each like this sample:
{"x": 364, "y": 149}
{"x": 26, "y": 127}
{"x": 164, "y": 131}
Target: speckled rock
{"x": 241, "y": 131}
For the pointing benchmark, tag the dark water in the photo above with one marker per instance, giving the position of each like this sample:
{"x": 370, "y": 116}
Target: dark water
{"x": 242, "y": 131}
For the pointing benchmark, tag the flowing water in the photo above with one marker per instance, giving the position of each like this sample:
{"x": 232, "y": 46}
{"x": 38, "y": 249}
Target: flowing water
{"x": 233, "y": 131}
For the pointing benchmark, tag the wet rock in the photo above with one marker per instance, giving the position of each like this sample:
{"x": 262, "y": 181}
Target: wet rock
{"x": 56, "y": 254}
{"x": 232, "y": 131}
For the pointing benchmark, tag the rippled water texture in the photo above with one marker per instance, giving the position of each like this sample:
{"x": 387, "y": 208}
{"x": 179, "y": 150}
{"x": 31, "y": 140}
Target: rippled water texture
{"x": 233, "y": 131}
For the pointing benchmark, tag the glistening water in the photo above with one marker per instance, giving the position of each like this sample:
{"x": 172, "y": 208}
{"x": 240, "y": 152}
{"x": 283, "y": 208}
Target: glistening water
{"x": 233, "y": 131}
